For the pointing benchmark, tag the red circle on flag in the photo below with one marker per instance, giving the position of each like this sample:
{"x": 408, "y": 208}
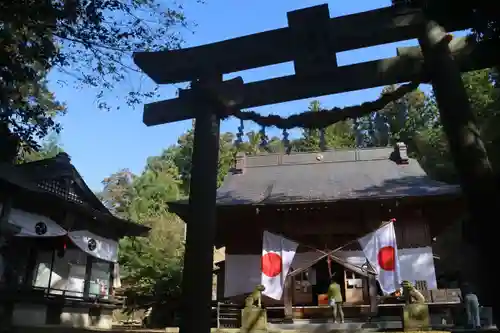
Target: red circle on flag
{"x": 271, "y": 264}
{"x": 387, "y": 258}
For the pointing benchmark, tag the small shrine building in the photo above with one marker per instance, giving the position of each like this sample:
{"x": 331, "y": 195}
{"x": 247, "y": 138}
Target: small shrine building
{"x": 59, "y": 247}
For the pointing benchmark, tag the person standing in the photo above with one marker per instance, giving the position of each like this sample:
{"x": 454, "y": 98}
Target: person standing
{"x": 335, "y": 300}
{"x": 471, "y": 303}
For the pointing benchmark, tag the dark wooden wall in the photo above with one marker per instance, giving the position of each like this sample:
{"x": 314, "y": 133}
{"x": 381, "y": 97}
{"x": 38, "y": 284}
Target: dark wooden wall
{"x": 321, "y": 228}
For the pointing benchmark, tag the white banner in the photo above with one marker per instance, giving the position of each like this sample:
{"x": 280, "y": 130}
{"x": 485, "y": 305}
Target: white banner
{"x": 243, "y": 273}
{"x": 97, "y": 246}
{"x": 416, "y": 264}
{"x": 34, "y": 225}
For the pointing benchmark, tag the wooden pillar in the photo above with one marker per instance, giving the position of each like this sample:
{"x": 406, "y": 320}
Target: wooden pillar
{"x": 372, "y": 294}
{"x": 201, "y": 225}
{"x": 88, "y": 275}
{"x": 468, "y": 151}
{"x": 288, "y": 298}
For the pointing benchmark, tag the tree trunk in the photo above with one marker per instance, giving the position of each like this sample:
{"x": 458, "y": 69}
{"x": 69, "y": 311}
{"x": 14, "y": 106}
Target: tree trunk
{"x": 470, "y": 158}
{"x": 9, "y": 144}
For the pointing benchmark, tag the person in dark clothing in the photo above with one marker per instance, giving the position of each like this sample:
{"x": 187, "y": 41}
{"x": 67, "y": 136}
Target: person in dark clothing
{"x": 471, "y": 304}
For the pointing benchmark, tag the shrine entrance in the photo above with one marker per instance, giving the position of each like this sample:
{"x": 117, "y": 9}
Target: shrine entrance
{"x": 311, "y": 41}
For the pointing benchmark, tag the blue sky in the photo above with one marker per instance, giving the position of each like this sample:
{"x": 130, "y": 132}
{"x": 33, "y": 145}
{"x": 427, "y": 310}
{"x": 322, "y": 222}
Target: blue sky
{"x": 103, "y": 142}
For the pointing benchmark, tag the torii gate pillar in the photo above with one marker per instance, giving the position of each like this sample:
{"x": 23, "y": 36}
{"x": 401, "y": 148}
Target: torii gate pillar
{"x": 196, "y": 315}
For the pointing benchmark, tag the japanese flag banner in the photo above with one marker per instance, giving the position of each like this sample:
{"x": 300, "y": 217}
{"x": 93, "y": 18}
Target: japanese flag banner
{"x": 277, "y": 256}
{"x": 381, "y": 251}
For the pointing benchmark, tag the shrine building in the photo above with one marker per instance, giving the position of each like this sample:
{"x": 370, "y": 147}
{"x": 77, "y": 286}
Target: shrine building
{"x": 59, "y": 247}
{"x": 326, "y": 201}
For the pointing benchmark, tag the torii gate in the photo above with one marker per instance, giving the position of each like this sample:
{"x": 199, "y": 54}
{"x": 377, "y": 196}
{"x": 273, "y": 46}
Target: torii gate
{"x": 311, "y": 41}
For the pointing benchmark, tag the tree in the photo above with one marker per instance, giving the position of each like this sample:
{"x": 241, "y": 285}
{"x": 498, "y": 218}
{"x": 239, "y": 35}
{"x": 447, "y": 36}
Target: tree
{"x": 28, "y": 109}
{"x": 49, "y": 148}
{"x": 252, "y": 145}
{"x": 338, "y": 135}
{"x": 118, "y": 193}
{"x": 481, "y": 15}
{"x": 152, "y": 266}
{"x": 181, "y": 155}
{"x": 91, "y": 41}
{"x": 431, "y": 143}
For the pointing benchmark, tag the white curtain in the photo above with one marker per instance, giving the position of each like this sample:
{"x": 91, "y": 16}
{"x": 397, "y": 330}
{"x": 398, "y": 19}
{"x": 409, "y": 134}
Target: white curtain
{"x": 97, "y": 246}
{"x": 76, "y": 280}
{"x": 43, "y": 272}
{"x": 34, "y": 225}
{"x": 67, "y": 275}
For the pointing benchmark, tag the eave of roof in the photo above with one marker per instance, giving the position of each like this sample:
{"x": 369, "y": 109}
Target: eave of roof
{"x": 11, "y": 175}
{"x": 56, "y": 168}
{"x": 327, "y": 177}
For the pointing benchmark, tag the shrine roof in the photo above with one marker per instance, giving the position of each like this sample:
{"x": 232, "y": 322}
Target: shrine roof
{"x": 56, "y": 181}
{"x": 49, "y": 174}
{"x": 358, "y": 174}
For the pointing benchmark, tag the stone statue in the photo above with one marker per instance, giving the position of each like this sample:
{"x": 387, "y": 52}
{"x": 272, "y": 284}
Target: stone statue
{"x": 255, "y": 297}
{"x": 254, "y": 318}
{"x": 415, "y": 311}
{"x": 411, "y": 295}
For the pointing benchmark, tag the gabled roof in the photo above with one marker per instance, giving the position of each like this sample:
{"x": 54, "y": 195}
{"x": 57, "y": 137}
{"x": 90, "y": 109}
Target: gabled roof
{"x": 356, "y": 174}
{"x": 51, "y": 174}
{"x": 56, "y": 181}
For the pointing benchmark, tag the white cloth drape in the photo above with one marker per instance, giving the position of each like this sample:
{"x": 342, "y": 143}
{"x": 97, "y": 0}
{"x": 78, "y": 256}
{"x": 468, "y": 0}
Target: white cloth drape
{"x": 34, "y": 225}
{"x": 243, "y": 271}
{"x": 95, "y": 245}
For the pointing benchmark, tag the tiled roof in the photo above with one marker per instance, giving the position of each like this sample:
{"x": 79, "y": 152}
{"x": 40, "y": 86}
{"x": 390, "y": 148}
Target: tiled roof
{"x": 327, "y": 176}
{"x": 57, "y": 180}
{"x": 51, "y": 175}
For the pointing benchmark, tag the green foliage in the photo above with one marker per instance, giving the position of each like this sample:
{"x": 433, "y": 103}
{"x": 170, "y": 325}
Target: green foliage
{"x": 153, "y": 266}
{"x": 338, "y": 135}
{"x": 180, "y": 156}
{"x": 49, "y": 148}
{"x": 88, "y": 41}
{"x": 482, "y": 15}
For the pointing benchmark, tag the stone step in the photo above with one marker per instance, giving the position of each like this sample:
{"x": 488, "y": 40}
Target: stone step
{"x": 303, "y": 326}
